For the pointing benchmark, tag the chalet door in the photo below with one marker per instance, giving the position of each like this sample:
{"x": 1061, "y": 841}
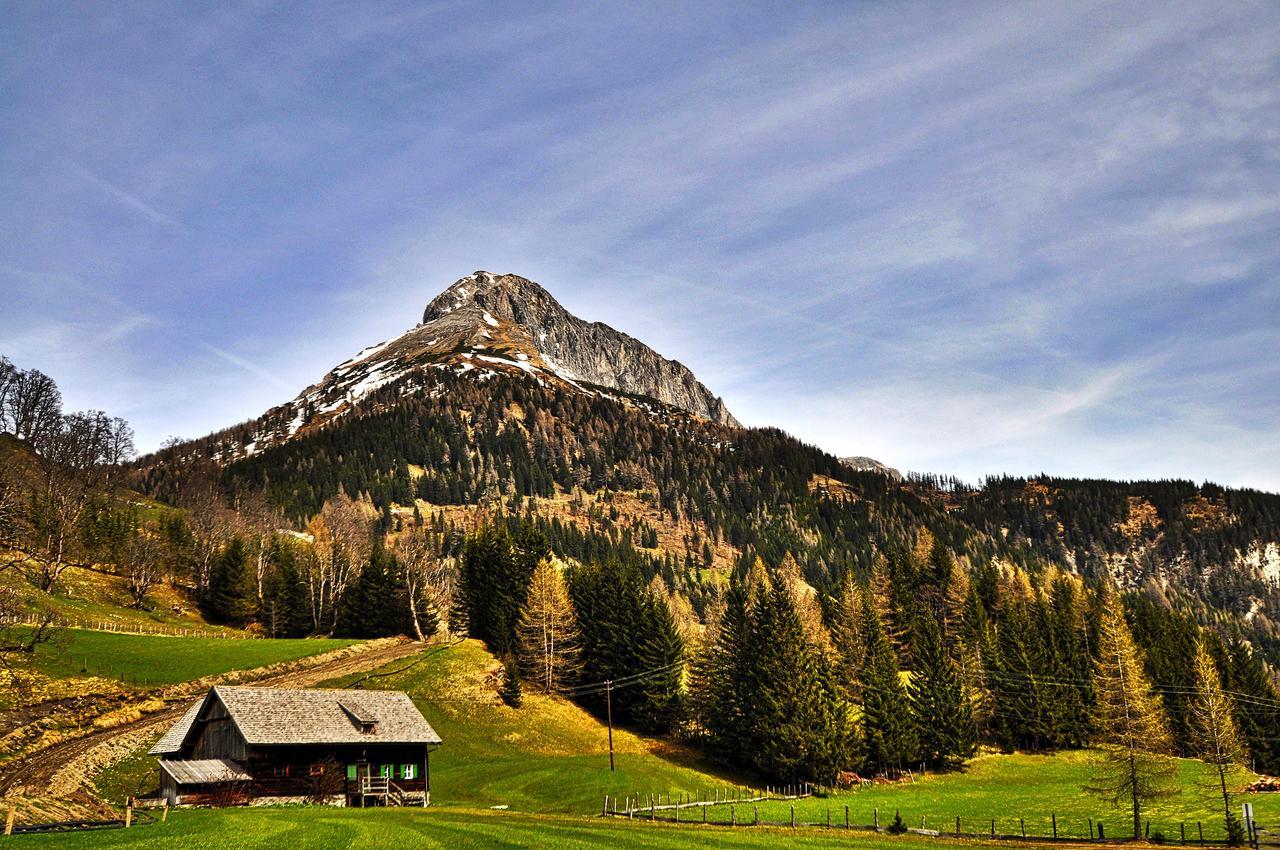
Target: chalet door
{"x": 363, "y": 770}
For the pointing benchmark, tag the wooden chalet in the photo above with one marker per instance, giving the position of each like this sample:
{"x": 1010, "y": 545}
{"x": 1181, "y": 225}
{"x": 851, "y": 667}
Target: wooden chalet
{"x": 244, "y": 745}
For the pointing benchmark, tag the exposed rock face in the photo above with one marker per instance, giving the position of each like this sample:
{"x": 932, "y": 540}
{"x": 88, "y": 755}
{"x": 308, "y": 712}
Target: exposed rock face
{"x": 487, "y": 323}
{"x": 572, "y": 348}
{"x": 870, "y": 464}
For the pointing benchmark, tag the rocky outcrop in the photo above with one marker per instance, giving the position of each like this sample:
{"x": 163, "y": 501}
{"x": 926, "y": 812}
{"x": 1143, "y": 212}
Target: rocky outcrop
{"x": 577, "y": 350}
{"x": 870, "y": 464}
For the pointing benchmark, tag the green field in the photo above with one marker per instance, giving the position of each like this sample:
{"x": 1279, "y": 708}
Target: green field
{"x": 1012, "y": 789}
{"x": 548, "y": 756}
{"x": 317, "y": 828}
{"x": 148, "y": 659}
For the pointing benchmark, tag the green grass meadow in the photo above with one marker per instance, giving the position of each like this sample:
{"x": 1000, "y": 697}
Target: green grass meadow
{"x": 548, "y": 756}
{"x": 319, "y": 828}
{"x": 150, "y": 659}
{"x": 1013, "y": 789}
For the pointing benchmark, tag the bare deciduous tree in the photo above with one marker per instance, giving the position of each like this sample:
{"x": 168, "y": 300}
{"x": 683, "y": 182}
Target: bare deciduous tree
{"x": 32, "y": 403}
{"x": 144, "y": 565}
{"x": 429, "y": 577}
{"x": 77, "y": 459}
{"x": 342, "y": 541}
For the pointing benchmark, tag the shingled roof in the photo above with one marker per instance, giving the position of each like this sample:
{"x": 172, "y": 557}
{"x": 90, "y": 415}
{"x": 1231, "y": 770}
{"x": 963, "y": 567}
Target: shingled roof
{"x": 267, "y": 716}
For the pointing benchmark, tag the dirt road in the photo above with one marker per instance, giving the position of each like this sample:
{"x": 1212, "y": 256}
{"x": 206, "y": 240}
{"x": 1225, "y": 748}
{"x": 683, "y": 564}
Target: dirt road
{"x": 62, "y": 770}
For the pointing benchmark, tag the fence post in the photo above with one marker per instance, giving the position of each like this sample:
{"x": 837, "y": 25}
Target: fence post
{"x": 1053, "y": 817}
{"x": 605, "y": 810}
{"x": 793, "y": 817}
{"x": 733, "y": 816}
{"x": 704, "y": 814}
{"x": 1182, "y": 830}
{"x": 128, "y": 817}
{"x": 828, "y": 817}
{"x": 8, "y": 820}
{"x": 993, "y": 827}
{"x": 756, "y": 810}
{"x": 1200, "y": 827}
{"x": 875, "y": 817}
{"x": 164, "y": 815}
{"x": 1102, "y": 831}
{"x": 957, "y": 826}
{"x": 1090, "y": 829}
{"x": 846, "y": 817}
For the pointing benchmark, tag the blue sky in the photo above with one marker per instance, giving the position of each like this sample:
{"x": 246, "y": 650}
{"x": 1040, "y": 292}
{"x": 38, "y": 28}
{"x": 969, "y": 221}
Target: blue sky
{"x": 961, "y": 237}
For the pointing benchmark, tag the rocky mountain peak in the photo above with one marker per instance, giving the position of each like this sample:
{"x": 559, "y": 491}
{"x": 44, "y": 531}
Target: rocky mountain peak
{"x": 487, "y": 323}
{"x": 550, "y": 336}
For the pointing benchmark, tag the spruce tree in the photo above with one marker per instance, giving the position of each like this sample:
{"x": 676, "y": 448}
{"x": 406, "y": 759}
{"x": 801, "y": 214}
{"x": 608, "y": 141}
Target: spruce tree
{"x": 231, "y": 595}
{"x": 511, "y": 691}
{"x": 888, "y": 722}
{"x": 1133, "y": 732}
{"x": 1258, "y": 704}
{"x": 944, "y": 718}
{"x": 1214, "y": 737}
{"x": 374, "y": 605}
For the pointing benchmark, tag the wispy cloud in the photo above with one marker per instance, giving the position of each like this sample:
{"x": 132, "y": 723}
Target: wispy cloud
{"x": 129, "y": 200}
{"x": 249, "y": 366}
{"x": 1004, "y": 235}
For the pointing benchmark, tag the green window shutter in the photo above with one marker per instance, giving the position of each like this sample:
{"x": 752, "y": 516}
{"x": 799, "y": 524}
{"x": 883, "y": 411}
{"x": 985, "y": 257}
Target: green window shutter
{"x": 351, "y": 771}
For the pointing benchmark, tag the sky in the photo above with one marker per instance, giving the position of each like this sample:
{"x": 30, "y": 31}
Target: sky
{"x": 967, "y": 238}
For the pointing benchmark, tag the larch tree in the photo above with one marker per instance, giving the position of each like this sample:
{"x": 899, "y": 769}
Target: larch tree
{"x": 1215, "y": 739}
{"x": 548, "y": 630}
{"x": 1134, "y": 766}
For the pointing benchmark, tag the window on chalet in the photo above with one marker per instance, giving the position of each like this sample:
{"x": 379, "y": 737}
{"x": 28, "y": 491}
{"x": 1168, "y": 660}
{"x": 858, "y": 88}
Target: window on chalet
{"x": 386, "y": 770}
{"x": 280, "y": 771}
{"x": 351, "y": 771}
{"x": 408, "y": 771}
{"x": 316, "y": 769}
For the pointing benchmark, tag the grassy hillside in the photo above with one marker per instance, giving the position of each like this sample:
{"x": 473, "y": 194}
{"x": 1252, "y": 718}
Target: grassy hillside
{"x": 147, "y": 659}
{"x": 93, "y": 598}
{"x": 546, "y": 756}
{"x": 395, "y": 829}
{"x": 1031, "y": 787}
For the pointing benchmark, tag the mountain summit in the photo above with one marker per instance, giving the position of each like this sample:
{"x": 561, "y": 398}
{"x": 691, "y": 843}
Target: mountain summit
{"x": 530, "y": 321}
{"x": 496, "y": 324}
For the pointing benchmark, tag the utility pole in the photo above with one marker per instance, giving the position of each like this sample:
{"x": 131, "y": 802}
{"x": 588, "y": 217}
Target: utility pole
{"x": 608, "y": 701}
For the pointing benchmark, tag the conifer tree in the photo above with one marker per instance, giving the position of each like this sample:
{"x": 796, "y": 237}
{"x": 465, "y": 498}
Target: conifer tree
{"x": 944, "y": 718}
{"x": 719, "y": 677}
{"x": 231, "y": 596}
{"x": 1258, "y": 704}
{"x": 1214, "y": 737}
{"x": 848, "y": 634}
{"x": 511, "y": 690}
{"x": 888, "y": 722}
{"x": 548, "y": 630}
{"x": 1134, "y": 766}
{"x": 1016, "y": 665}
{"x": 374, "y": 604}
{"x": 661, "y": 651}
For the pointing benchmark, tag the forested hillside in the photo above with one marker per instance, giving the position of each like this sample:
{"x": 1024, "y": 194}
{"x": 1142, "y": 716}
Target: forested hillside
{"x": 437, "y": 439}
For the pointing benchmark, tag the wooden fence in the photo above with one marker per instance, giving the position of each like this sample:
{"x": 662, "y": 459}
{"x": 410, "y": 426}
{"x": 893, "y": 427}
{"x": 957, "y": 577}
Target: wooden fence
{"x": 744, "y": 811}
{"x": 156, "y": 630}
